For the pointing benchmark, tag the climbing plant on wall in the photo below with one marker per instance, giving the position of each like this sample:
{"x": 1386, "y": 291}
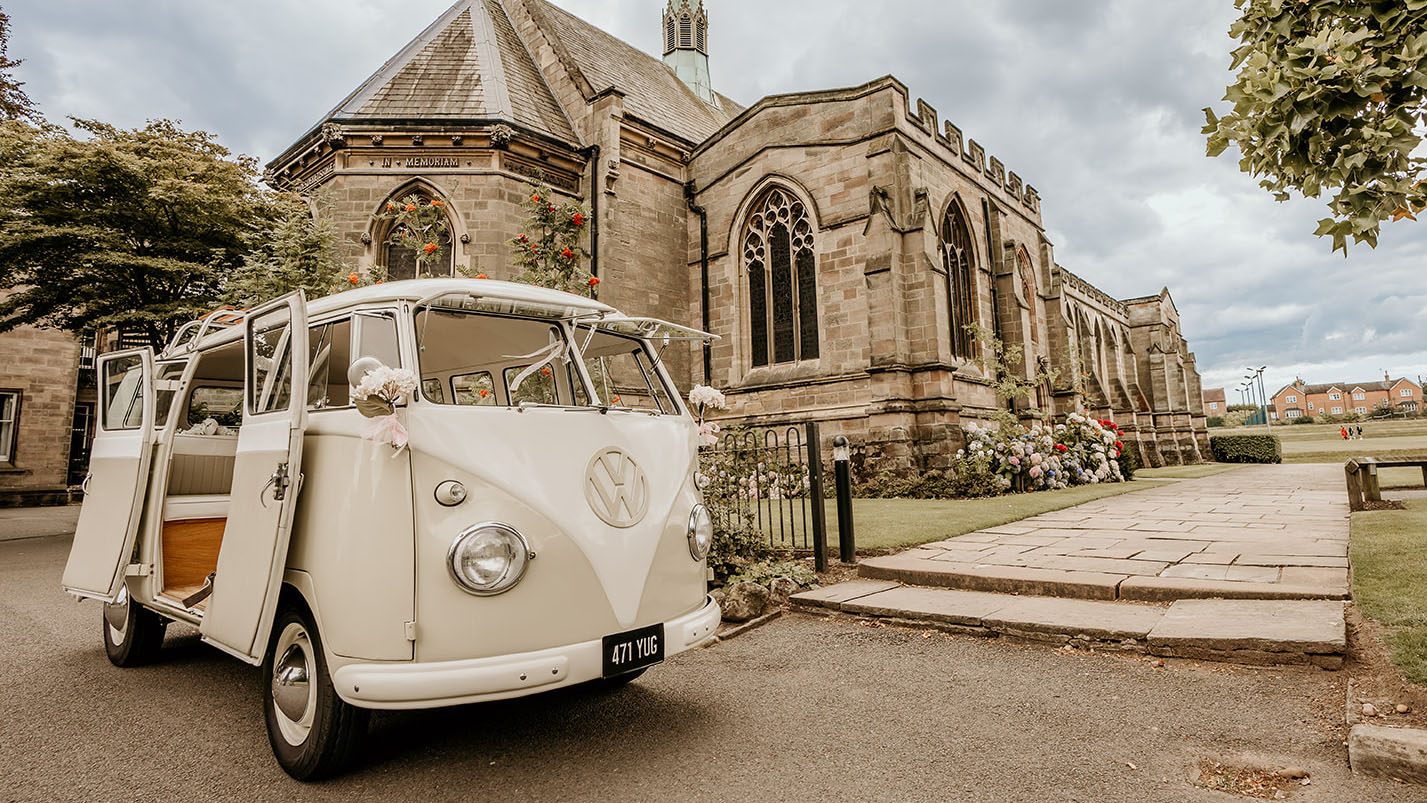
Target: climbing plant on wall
{"x": 548, "y": 251}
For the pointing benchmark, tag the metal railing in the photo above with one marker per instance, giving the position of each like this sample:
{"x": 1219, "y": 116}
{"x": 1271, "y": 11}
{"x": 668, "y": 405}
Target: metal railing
{"x": 771, "y": 481}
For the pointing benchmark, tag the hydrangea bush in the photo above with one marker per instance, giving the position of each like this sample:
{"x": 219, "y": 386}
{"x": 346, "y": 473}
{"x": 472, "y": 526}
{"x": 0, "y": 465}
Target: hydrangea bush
{"x": 1045, "y": 457}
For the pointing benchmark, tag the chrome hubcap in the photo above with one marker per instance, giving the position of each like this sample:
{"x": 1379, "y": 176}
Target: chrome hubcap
{"x": 294, "y": 695}
{"x": 116, "y": 616}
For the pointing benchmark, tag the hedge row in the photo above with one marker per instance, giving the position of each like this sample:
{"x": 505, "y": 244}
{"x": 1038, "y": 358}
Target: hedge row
{"x": 1246, "y": 449}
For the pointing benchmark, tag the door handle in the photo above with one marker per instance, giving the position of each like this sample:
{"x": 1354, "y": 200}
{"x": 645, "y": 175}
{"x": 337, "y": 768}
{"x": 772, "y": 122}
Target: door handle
{"x": 84, "y": 485}
{"x": 278, "y": 482}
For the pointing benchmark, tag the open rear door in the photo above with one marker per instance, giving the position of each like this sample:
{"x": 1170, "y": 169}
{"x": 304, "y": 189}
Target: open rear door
{"x": 266, "y": 480}
{"x": 118, "y": 476}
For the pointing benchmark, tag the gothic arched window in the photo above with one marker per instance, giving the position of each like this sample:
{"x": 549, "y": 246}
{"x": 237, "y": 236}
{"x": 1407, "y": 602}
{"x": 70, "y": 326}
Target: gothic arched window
{"x": 400, "y": 261}
{"x": 1028, "y": 286}
{"x": 782, "y": 280}
{"x": 958, "y": 259}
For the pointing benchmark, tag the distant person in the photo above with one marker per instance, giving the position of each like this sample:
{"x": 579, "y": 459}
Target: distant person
{"x": 1360, "y": 431}
{"x": 1344, "y": 431}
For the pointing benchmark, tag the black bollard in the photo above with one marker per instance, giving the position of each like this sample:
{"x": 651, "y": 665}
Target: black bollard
{"x": 841, "y": 453}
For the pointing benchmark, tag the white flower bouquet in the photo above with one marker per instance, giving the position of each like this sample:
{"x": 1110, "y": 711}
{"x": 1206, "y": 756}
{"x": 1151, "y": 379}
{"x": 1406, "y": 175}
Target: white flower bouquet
{"x": 376, "y": 397}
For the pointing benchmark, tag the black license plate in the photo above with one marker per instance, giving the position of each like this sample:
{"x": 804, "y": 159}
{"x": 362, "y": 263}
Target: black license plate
{"x": 635, "y": 649}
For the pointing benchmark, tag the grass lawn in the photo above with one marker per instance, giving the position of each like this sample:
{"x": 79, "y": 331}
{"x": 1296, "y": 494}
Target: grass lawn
{"x": 1389, "y": 557}
{"x": 1185, "y": 472}
{"x": 881, "y": 524}
{"x": 1322, "y": 443}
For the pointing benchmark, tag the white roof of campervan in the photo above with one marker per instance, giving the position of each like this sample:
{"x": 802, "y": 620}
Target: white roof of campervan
{"x": 520, "y": 299}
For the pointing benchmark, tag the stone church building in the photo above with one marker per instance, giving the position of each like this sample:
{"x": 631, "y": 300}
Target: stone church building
{"x": 839, "y": 241}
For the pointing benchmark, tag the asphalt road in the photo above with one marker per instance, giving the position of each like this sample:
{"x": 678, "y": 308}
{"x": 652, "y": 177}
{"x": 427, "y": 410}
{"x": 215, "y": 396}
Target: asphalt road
{"x": 800, "y": 710}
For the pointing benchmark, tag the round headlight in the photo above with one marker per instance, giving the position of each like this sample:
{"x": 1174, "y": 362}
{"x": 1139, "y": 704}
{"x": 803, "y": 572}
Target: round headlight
{"x": 489, "y": 559}
{"x": 700, "y": 532}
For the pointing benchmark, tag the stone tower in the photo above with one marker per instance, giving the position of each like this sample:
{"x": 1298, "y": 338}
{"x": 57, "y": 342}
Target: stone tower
{"x": 686, "y": 46}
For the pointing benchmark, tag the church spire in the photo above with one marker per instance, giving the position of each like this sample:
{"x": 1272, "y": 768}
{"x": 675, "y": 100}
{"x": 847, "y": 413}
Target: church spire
{"x": 686, "y": 47}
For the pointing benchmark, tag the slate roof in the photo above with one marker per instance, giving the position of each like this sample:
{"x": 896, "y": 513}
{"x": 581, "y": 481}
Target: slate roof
{"x": 1314, "y": 390}
{"x": 651, "y": 91}
{"x": 1214, "y": 395}
{"x": 468, "y": 64}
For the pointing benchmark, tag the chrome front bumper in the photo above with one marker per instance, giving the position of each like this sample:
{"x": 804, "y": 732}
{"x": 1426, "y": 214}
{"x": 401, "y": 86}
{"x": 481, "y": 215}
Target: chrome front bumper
{"x": 432, "y": 685}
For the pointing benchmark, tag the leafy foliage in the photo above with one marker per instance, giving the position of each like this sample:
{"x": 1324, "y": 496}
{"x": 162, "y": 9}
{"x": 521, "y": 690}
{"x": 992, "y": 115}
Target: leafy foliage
{"x": 14, "y": 103}
{"x": 297, "y": 251}
{"x": 765, "y": 572}
{"x": 1246, "y": 448}
{"x": 1004, "y": 364}
{"x": 735, "y": 548}
{"x": 1330, "y": 96}
{"x": 549, "y": 252}
{"x": 418, "y": 225}
{"x": 130, "y": 229}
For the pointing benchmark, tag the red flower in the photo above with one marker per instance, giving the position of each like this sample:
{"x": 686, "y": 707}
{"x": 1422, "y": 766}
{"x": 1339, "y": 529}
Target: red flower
{"x": 522, "y": 238}
{"x": 437, "y": 204}
{"x": 378, "y": 281}
{"x": 552, "y": 209}
{"x": 431, "y": 248}
{"x": 615, "y": 400}
{"x": 568, "y": 254}
{"x": 545, "y": 371}
{"x": 535, "y": 198}
{"x": 354, "y": 278}
{"x": 579, "y": 219}
{"x": 390, "y": 207}
{"x": 1060, "y": 447}
{"x": 485, "y": 393}
{"x": 411, "y": 207}
{"x": 594, "y": 280}
{"x": 480, "y": 276}
{"x": 1119, "y": 445}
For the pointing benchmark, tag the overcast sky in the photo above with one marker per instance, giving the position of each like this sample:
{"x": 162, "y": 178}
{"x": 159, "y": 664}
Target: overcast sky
{"x": 1094, "y": 102}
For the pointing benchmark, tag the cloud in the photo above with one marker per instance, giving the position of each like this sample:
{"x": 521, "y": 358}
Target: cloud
{"x": 1095, "y": 103}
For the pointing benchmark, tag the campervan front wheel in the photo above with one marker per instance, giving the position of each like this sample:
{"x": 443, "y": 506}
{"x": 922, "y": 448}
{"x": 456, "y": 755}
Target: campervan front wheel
{"x": 312, "y": 731}
{"x": 133, "y": 634}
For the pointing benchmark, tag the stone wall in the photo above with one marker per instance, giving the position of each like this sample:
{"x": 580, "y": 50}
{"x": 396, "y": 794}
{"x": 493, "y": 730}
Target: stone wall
{"x": 43, "y": 364}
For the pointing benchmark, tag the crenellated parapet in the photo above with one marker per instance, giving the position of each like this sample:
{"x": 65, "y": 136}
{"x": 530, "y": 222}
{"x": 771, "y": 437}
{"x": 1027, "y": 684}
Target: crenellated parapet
{"x": 972, "y": 154}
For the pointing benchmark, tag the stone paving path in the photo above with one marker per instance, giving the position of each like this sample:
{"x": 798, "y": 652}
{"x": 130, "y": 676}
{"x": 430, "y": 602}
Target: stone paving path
{"x": 1278, "y": 532}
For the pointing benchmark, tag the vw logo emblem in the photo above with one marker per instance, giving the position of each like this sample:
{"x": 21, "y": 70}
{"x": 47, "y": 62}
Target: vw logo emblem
{"x": 616, "y": 488}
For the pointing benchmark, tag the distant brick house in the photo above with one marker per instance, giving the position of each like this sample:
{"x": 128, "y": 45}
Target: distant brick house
{"x": 1214, "y": 404}
{"x": 46, "y": 414}
{"x": 1347, "y": 399}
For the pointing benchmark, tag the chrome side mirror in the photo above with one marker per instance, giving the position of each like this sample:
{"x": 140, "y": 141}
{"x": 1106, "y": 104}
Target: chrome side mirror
{"x": 359, "y": 369}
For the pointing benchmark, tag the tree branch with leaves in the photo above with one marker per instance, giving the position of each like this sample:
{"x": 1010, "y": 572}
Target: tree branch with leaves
{"x": 549, "y": 253}
{"x": 1330, "y": 97}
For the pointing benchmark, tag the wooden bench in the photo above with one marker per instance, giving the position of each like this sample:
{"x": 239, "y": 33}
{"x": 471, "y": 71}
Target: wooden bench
{"x": 1362, "y": 475}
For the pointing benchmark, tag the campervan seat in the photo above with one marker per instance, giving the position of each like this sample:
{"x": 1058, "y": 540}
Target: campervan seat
{"x": 196, "y": 506}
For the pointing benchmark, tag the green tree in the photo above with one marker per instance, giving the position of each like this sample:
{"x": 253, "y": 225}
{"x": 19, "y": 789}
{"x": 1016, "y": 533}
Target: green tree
{"x": 130, "y": 229}
{"x": 1004, "y": 364}
{"x": 549, "y": 251}
{"x": 14, "y": 104}
{"x": 1330, "y": 96}
{"x": 296, "y": 251}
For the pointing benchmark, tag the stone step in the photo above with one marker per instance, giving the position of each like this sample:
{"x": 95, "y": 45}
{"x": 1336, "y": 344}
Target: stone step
{"x": 1252, "y": 631}
{"x": 907, "y": 567}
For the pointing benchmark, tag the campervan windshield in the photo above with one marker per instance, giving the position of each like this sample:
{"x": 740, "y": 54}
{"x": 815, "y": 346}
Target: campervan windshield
{"x": 480, "y": 359}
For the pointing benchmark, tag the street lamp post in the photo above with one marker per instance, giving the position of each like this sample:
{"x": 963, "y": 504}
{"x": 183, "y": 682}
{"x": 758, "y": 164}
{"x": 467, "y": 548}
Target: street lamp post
{"x": 1257, "y": 373}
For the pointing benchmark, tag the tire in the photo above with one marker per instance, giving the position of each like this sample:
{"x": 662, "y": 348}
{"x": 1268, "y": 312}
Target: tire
{"x": 138, "y": 637}
{"x": 313, "y": 732}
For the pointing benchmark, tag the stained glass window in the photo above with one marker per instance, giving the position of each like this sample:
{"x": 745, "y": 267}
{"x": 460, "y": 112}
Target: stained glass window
{"x": 782, "y": 280}
{"x": 959, "y": 258}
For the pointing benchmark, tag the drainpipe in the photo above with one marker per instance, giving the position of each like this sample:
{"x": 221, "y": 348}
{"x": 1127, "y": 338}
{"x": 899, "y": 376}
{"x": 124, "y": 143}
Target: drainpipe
{"x": 593, "y": 154}
{"x": 703, "y": 273}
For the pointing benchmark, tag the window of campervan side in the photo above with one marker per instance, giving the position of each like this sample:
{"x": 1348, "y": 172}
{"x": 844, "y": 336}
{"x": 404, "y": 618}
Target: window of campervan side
{"x": 624, "y": 374}
{"x": 333, "y": 346}
{"x": 122, "y": 393}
